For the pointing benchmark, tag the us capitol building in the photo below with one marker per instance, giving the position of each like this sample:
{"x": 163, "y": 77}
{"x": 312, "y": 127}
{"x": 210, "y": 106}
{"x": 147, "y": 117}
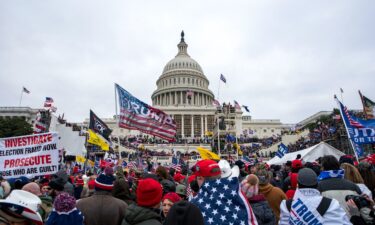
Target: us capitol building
{"x": 183, "y": 92}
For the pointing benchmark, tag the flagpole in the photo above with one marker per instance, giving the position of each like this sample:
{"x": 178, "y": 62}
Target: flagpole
{"x": 116, "y": 104}
{"x": 346, "y": 128}
{"x": 21, "y": 97}
{"x": 363, "y": 104}
{"x": 342, "y": 98}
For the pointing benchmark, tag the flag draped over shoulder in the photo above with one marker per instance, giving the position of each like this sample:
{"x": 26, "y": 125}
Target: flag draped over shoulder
{"x": 207, "y": 154}
{"x": 96, "y": 139}
{"x": 137, "y": 115}
{"x": 97, "y": 125}
{"x": 222, "y": 202}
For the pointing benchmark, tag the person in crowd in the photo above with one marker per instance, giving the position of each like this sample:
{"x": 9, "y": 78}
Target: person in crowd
{"x": 290, "y": 183}
{"x": 309, "y": 207}
{"x": 332, "y": 183}
{"x": 78, "y": 186}
{"x": 65, "y": 211}
{"x": 121, "y": 187}
{"x": 5, "y": 187}
{"x": 184, "y": 213}
{"x": 206, "y": 170}
{"x": 368, "y": 175}
{"x": 286, "y": 170}
{"x": 102, "y": 207}
{"x": 361, "y": 209}
{"x": 352, "y": 174}
{"x": 46, "y": 205}
{"x": 259, "y": 204}
{"x": 181, "y": 191}
{"x": 45, "y": 189}
{"x": 59, "y": 183}
{"x": 241, "y": 165}
{"x": 273, "y": 195}
{"x": 21, "y": 208}
{"x": 147, "y": 210}
{"x": 179, "y": 178}
{"x": 167, "y": 202}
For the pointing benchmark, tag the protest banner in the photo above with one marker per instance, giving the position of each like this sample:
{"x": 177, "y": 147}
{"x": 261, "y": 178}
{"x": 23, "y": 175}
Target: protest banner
{"x": 31, "y": 155}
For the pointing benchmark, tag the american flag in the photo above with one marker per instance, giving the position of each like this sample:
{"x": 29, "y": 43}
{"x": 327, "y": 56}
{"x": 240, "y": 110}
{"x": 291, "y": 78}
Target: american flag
{"x": 48, "y": 102}
{"x": 137, "y": 115}
{"x": 131, "y": 165}
{"x": 352, "y": 122}
{"x": 247, "y": 161}
{"x": 236, "y": 105}
{"x": 223, "y": 78}
{"x": 222, "y": 202}
{"x": 215, "y": 103}
{"x": 175, "y": 164}
{"x": 40, "y": 127}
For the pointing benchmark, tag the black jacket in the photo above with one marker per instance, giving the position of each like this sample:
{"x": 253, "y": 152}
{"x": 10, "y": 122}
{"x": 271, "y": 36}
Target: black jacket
{"x": 136, "y": 215}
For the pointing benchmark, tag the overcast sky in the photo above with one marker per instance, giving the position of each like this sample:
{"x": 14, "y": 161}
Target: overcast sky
{"x": 284, "y": 59}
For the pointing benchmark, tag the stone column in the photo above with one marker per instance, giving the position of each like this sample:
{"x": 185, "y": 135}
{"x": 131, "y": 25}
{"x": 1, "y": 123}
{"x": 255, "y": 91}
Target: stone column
{"x": 182, "y": 126}
{"x": 170, "y": 98}
{"x": 205, "y": 122}
{"x": 192, "y": 125}
{"x": 175, "y": 98}
{"x": 202, "y": 128}
{"x": 181, "y": 97}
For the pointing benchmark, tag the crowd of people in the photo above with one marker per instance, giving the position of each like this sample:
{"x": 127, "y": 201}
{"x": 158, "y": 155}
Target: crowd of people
{"x": 327, "y": 191}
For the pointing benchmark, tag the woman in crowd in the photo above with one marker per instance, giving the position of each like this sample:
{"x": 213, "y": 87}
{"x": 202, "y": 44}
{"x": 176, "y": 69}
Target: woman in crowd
{"x": 167, "y": 202}
{"x": 351, "y": 173}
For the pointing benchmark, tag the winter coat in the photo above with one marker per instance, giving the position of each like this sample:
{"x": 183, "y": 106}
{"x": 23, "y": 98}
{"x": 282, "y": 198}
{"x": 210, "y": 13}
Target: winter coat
{"x": 274, "y": 197}
{"x": 46, "y": 206}
{"x": 136, "y": 215}
{"x": 303, "y": 210}
{"x": 262, "y": 210}
{"x": 121, "y": 190}
{"x": 338, "y": 188}
{"x": 102, "y": 208}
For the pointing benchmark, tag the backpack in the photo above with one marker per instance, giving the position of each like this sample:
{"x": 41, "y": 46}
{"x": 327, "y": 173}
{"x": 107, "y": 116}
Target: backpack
{"x": 322, "y": 207}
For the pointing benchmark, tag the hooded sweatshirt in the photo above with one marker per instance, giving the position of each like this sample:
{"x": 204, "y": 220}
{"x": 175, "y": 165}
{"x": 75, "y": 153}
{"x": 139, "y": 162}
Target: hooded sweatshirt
{"x": 274, "y": 197}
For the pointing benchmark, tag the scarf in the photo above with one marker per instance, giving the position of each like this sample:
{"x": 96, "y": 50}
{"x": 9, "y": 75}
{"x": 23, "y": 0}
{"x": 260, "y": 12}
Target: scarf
{"x": 331, "y": 174}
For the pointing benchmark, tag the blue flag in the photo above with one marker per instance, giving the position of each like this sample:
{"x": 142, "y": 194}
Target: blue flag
{"x": 359, "y": 131}
{"x": 282, "y": 150}
{"x": 222, "y": 202}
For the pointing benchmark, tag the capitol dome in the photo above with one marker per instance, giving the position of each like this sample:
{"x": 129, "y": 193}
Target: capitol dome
{"x": 182, "y": 82}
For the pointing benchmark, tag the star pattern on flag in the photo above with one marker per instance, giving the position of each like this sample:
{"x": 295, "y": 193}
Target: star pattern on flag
{"x": 222, "y": 202}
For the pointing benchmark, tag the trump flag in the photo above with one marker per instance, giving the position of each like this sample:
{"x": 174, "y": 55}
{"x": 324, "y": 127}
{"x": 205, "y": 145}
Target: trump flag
{"x": 137, "y": 115}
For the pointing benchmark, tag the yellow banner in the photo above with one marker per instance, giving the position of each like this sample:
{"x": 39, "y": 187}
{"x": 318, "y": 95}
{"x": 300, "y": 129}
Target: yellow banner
{"x": 207, "y": 154}
{"x": 80, "y": 159}
{"x": 96, "y": 139}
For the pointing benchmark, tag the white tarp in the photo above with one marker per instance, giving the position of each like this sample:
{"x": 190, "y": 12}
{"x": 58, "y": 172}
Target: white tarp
{"x": 70, "y": 140}
{"x": 309, "y": 154}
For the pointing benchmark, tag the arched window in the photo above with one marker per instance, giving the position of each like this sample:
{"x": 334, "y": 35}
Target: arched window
{"x": 188, "y": 80}
{"x": 183, "y": 80}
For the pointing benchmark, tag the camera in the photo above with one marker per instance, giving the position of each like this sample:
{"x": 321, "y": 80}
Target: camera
{"x": 359, "y": 201}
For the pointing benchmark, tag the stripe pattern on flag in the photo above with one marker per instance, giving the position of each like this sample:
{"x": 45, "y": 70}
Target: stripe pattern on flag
{"x": 137, "y": 115}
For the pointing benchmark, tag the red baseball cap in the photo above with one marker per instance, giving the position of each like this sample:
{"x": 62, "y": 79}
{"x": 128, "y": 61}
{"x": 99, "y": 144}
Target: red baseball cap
{"x": 206, "y": 168}
{"x": 296, "y": 164}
